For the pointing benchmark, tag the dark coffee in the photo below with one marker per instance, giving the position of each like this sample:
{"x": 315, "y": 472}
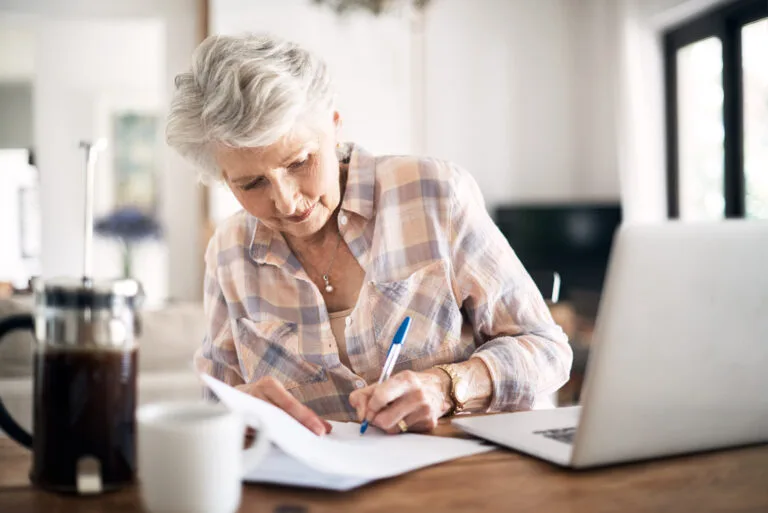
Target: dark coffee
{"x": 85, "y": 403}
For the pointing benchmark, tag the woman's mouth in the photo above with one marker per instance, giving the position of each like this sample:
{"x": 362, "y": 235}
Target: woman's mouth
{"x": 303, "y": 216}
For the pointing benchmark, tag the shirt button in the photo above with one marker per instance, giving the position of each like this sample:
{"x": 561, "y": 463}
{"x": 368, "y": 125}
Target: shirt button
{"x": 359, "y": 383}
{"x": 348, "y": 321}
{"x": 343, "y": 220}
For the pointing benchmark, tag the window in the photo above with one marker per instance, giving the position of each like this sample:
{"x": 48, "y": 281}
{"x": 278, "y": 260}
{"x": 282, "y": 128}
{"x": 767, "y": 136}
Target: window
{"x": 716, "y": 73}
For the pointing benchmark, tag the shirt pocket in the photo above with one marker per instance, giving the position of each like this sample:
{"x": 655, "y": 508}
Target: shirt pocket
{"x": 272, "y": 348}
{"x": 427, "y": 297}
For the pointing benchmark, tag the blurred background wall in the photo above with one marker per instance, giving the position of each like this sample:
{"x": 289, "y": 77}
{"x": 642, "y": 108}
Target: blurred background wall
{"x": 555, "y": 106}
{"x": 543, "y": 101}
{"x": 84, "y": 62}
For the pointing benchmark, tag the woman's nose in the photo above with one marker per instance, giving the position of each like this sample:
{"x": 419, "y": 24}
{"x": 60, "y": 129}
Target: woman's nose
{"x": 285, "y": 198}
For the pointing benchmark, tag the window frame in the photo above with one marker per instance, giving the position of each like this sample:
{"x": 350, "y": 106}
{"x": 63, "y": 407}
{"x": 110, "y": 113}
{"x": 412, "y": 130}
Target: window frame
{"x": 725, "y": 23}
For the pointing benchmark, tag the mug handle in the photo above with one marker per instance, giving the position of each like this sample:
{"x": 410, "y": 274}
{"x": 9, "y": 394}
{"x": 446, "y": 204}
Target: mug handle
{"x": 7, "y": 424}
{"x": 253, "y": 455}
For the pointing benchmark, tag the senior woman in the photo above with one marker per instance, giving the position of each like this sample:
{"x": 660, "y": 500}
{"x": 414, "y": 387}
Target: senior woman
{"x": 306, "y": 286}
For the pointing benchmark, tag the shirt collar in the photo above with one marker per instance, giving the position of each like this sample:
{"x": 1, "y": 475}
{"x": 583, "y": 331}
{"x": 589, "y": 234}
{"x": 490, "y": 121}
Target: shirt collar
{"x": 269, "y": 246}
{"x": 359, "y": 193}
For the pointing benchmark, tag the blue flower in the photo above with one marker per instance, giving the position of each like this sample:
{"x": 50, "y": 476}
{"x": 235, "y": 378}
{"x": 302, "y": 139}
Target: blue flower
{"x": 129, "y": 224}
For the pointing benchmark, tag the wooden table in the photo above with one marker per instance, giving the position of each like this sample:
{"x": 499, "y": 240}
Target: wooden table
{"x": 727, "y": 481}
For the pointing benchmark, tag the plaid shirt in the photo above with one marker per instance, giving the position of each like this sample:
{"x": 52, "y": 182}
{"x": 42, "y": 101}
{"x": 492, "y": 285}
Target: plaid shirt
{"x": 419, "y": 229}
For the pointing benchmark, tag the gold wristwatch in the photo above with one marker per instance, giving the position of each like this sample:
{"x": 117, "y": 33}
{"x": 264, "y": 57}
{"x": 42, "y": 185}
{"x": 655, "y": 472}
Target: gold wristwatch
{"x": 457, "y": 390}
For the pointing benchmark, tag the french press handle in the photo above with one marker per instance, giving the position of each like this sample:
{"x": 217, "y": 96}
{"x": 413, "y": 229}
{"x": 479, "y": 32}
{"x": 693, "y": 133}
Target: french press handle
{"x": 11, "y": 427}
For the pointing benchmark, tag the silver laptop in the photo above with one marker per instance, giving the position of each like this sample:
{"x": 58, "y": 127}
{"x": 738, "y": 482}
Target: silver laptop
{"x": 679, "y": 361}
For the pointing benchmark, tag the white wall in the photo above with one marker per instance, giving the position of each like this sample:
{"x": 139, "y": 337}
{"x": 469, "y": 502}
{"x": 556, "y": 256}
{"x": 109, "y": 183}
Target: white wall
{"x": 594, "y": 63}
{"x": 73, "y": 113}
{"x": 499, "y": 95}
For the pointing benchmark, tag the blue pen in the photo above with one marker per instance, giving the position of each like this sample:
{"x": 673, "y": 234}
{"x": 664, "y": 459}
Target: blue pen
{"x": 392, "y": 354}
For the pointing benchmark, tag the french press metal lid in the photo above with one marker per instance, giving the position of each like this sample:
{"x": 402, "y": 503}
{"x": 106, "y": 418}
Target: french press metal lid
{"x": 101, "y": 314}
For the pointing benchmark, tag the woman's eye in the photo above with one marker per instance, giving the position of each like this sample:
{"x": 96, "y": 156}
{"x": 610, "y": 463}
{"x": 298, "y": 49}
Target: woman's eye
{"x": 257, "y": 183}
{"x": 298, "y": 163}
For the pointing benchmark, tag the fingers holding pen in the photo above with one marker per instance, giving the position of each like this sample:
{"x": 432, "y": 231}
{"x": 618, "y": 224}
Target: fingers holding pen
{"x": 359, "y": 400}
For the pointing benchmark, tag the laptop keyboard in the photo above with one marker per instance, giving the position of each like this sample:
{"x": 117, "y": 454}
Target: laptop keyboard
{"x": 564, "y": 435}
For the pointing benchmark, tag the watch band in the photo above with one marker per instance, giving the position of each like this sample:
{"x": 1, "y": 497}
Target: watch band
{"x": 457, "y": 406}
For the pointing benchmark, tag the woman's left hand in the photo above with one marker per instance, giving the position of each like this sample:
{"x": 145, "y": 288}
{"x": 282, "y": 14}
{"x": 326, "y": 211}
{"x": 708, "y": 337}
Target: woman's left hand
{"x": 418, "y": 398}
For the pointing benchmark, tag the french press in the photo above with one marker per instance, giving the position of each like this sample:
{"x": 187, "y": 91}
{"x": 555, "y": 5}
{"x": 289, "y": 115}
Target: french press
{"x": 85, "y": 365}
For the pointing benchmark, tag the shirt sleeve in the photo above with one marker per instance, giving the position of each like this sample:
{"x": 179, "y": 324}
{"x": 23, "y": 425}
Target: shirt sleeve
{"x": 527, "y": 354}
{"x": 218, "y": 355}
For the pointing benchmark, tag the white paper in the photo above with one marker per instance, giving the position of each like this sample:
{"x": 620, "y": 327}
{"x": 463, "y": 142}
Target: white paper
{"x": 345, "y": 453}
{"x": 351, "y": 431}
{"x": 280, "y": 468}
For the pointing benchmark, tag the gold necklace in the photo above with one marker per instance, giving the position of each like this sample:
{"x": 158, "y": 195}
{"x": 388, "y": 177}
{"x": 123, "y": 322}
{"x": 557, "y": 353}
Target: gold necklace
{"x": 326, "y": 278}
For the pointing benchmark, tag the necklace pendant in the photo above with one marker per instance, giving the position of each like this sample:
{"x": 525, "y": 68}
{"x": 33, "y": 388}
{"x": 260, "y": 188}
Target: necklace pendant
{"x": 328, "y": 286}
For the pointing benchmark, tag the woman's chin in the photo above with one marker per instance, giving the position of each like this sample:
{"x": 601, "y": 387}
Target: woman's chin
{"x": 304, "y": 229}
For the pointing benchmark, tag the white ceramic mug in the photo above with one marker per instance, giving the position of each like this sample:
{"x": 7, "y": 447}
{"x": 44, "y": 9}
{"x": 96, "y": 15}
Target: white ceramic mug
{"x": 191, "y": 457}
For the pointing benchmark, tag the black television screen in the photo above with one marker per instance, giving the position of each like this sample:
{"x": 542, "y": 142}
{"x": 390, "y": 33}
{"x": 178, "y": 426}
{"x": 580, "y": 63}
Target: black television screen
{"x": 571, "y": 239}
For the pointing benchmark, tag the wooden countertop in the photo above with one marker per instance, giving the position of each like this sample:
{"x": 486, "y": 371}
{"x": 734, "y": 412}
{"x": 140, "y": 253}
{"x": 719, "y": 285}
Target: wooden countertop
{"x": 501, "y": 480}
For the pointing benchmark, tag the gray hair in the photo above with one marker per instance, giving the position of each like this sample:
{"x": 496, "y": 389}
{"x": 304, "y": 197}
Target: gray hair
{"x": 244, "y": 91}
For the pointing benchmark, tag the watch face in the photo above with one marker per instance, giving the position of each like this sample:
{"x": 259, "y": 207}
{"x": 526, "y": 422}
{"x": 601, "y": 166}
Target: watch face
{"x": 461, "y": 391}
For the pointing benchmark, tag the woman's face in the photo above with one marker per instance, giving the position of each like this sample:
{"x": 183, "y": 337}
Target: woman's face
{"x": 292, "y": 186}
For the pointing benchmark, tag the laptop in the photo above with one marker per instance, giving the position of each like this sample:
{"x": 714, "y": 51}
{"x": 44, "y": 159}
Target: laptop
{"x": 679, "y": 360}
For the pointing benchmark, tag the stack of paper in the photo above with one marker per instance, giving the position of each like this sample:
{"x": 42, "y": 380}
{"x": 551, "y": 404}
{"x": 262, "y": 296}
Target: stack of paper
{"x": 341, "y": 460}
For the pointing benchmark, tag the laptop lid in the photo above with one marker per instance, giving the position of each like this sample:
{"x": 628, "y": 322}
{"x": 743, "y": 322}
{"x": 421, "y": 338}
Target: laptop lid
{"x": 680, "y": 361}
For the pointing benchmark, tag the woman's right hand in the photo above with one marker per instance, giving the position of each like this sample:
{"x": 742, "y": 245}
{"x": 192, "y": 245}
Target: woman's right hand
{"x": 271, "y": 390}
